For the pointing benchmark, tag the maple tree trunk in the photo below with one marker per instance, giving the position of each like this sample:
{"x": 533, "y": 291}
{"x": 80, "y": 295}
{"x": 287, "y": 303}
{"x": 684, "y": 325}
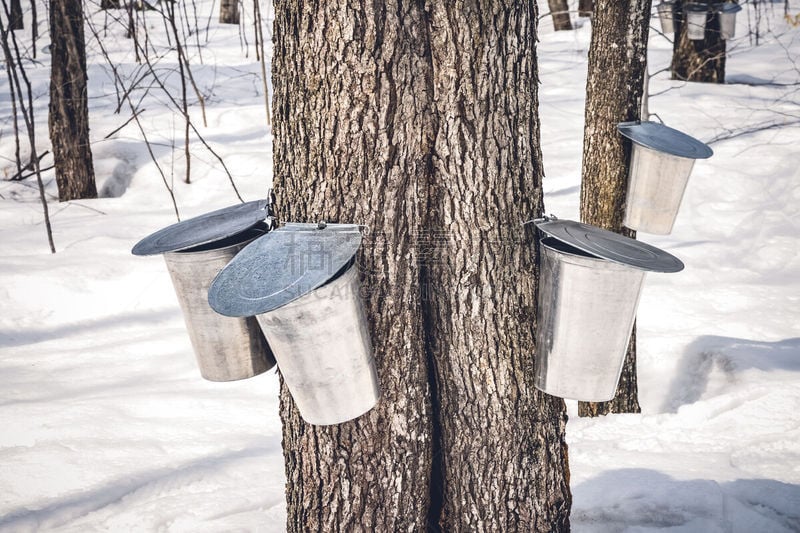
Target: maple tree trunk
{"x": 69, "y": 105}
{"x": 614, "y": 86}
{"x": 388, "y": 114}
{"x": 701, "y": 61}
{"x": 229, "y": 11}
{"x": 559, "y": 10}
{"x": 15, "y": 21}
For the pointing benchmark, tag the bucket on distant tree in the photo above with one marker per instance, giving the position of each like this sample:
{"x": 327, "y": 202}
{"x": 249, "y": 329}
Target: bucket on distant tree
{"x": 195, "y": 250}
{"x": 727, "y": 19}
{"x": 590, "y": 283}
{"x": 302, "y": 284}
{"x": 695, "y": 16}
{"x": 662, "y": 159}
{"x": 666, "y": 14}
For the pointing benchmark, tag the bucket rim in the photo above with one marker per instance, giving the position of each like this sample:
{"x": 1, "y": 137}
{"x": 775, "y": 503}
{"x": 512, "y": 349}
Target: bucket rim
{"x": 610, "y": 246}
{"x": 729, "y": 8}
{"x": 204, "y": 229}
{"x": 662, "y": 138}
{"x": 215, "y": 248}
{"x": 283, "y": 266}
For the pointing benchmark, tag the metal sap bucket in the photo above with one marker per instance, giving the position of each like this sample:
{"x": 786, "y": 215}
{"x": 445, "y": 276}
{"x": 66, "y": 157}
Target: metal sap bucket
{"x": 662, "y": 159}
{"x": 727, "y": 19}
{"x": 590, "y": 284}
{"x": 666, "y": 14}
{"x": 302, "y": 284}
{"x": 195, "y": 250}
{"x": 695, "y": 16}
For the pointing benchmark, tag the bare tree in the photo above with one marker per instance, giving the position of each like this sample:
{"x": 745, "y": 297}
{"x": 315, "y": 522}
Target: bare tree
{"x": 614, "y": 87}
{"x": 69, "y": 105}
{"x": 421, "y": 121}
{"x": 17, "y": 79}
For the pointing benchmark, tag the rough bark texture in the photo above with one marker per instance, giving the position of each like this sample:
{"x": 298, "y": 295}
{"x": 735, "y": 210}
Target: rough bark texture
{"x": 702, "y": 61}
{"x": 585, "y": 8}
{"x": 15, "y": 21}
{"x": 353, "y": 132}
{"x": 229, "y": 11}
{"x": 421, "y": 122}
{"x": 559, "y": 10}
{"x": 69, "y": 107}
{"x": 617, "y": 67}
{"x": 502, "y": 441}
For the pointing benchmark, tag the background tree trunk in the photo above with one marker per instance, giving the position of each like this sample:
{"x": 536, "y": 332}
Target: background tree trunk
{"x": 421, "y": 122}
{"x": 559, "y": 10}
{"x": 15, "y": 21}
{"x": 229, "y": 11}
{"x": 585, "y": 8}
{"x": 69, "y": 108}
{"x": 617, "y": 67}
{"x": 110, "y": 4}
{"x": 702, "y": 61}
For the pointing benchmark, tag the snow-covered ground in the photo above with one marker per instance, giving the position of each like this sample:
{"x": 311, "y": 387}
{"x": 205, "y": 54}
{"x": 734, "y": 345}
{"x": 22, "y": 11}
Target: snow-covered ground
{"x": 106, "y": 425}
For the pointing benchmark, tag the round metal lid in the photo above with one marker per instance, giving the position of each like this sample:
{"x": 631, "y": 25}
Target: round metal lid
{"x": 282, "y": 266}
{"x": 729, "y": 7}
{"x": 611, "y": 246}
{"x": 665, "y": 139}
{"x": 204, "y": 229}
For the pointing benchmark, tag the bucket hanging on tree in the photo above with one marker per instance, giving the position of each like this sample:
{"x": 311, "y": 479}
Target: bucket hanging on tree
{"x": 590, "y": 283}
{"x": 662, "y": 159}
{"x": 301, "y": 282}
{"x": 195, "y": 251}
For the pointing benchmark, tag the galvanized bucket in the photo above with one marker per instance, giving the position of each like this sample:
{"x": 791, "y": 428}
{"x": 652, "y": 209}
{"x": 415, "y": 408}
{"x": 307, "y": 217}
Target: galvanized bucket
{"x": 587, "y": 305}
{"x": 727, "y": 20}
{"x": 302, "y": 284}
{"x": 662, "y": 159}
{"x": 694, "y": 16}
{"x": 329, "y": 368}
{"x": 666, "y": 14}
{"x": 195, "y": 250}
{"x": 226, "y": 348}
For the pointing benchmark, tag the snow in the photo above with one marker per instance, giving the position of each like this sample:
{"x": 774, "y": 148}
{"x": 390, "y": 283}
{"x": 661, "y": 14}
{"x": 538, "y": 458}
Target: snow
{"x": 107, "y": 425}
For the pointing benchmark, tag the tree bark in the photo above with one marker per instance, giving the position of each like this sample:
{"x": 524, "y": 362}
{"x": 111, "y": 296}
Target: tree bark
{"x": 702, "y": 61}
{"x": 559, "y": 10}
{"x": 502, "y": 440}
{"x": 110, "y": 4}
{"x": 421, "y": 122}
{"x": 69, "y": 107}
{"x": 15, "y": 21}
{"x": 229, "y": 11}
{"x": 614, "y": 86}
{"x": 585, "y": 8}
{"x": 352, "y": 141}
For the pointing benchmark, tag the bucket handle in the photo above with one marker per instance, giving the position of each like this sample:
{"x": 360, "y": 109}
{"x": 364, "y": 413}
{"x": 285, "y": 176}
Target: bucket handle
{"x": 540, "y": 220}
{"x": 271, "y": 219}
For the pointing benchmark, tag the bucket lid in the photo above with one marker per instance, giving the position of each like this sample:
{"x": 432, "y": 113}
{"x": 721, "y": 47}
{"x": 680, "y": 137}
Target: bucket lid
{"x": 282, "y": 266}
{"x": 609, "y": 245}
{"x": 665, "y": 139}
{"x": 729, "y": 7}
{"x": 697, "y": 7}
{"x": 210, "y": 227}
